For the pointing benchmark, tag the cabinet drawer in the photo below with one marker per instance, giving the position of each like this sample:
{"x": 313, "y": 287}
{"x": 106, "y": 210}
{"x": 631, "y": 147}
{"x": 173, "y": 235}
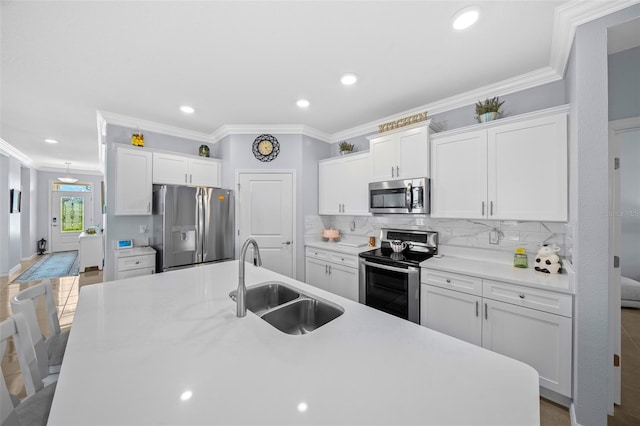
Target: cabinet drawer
{"x": 120, "y": 275}
{"x": 344, "y": 259}
{"x": 542, "y": 300}
{"x": 317, "y": 253}
{"x": 136, "y": 262}
{"x": 457, "y": 282}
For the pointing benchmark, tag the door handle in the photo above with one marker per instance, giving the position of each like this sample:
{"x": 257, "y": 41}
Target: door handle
{"x": 286, "y": 243}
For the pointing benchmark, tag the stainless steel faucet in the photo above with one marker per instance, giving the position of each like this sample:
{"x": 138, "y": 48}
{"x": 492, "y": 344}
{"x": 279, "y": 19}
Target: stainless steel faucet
{"x": 241, "y": 294}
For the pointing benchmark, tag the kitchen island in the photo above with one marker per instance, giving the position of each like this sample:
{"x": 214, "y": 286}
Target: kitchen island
{"x": 169, "y": 349}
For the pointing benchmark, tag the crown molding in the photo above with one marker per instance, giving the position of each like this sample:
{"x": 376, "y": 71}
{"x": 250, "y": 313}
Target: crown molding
{"x": 511, "y": 85}
{"x": 150, "y": 126}
{"x": 63, "y": 170}
{"x": 568, "y": 17}
{"x": 278, "y": 129}
{"x": 7, "y": 148}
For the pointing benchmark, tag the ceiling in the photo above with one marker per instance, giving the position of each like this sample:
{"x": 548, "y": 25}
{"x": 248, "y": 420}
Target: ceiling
{"x": 246, "y": 63}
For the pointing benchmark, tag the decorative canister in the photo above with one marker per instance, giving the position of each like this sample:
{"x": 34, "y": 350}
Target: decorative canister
{"x": 372, "y": 242}
{"x": 520, "y": 258}
{"x": 203, "y": 151}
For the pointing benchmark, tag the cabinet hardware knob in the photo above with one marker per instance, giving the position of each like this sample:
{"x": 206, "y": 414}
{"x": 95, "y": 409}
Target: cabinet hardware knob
{"x": 137, "y": 262}
{"x": 491, "y": 207}
{"x": 286, "y": 243}
{"x": 392, "y": 174}
{"x": 397, "y": 171}
{"x": 521, "y": 296}
{"x": 477, "y": 308}
{"x": 486, "y": 312}
{"x": 482, "y": 209}
{"x": 448, "y": 280}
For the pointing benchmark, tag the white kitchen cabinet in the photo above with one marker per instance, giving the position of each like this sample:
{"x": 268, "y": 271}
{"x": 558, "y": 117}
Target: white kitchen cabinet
{"x": 516, "y": 170}
{"x": 343, "y": 185}
{"x": 531, "y": 325}
{"x": 332, "y": 271}
{"x": 135, "y": 262}
{"x": 172, "y": 169}
{"x": 537, "y": 338}
{"x": 400, "y": 154}
{"x": 133, "y": 181}
{"x": 451, "y": 312}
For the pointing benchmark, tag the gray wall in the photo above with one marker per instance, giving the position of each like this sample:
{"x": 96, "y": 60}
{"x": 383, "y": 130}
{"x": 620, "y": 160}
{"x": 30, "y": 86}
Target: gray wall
{"x": 128, "y": 227}
{"x": 587, "y": 90}
{"x": 297, "y": 152}
{"x": 29, "y": 214}
{"x": 4, "y": 216}
{"x": 630, "y": 203}
{"x": 624, "y": 84}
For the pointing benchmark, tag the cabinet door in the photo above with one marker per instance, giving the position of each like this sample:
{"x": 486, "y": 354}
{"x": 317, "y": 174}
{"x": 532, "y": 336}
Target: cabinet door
{"x": 344, "y": 281}
{"x": 453, "y": 313}
{"x": 317, "y": 274}
{"x": 459, "y": 176}
{"x": 356, "y": 185}
{"x": 539, "y": 339}
{"x": 133, "y": 182}
{"x": 204, "y": 172}
{"x": 383, "y": 158}
{"x": 527, "y": 165}
{"x": 330, "y": 187}
{"x": 170, "y": 169}
{"x": 413, "y": 152}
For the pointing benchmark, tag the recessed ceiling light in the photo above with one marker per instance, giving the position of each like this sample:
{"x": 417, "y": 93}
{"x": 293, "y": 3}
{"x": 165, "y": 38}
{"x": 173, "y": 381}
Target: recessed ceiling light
{"x": 348, "y": 79}
{"x": 465, "y": 18}
{"x": 303, "y": 103}
{"x": 187, "y": 109}
{"x": 51, "y": 141}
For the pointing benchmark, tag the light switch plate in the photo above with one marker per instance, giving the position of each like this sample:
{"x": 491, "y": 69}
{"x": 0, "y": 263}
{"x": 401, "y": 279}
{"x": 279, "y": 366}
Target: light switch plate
{"x": 494, "y": 238}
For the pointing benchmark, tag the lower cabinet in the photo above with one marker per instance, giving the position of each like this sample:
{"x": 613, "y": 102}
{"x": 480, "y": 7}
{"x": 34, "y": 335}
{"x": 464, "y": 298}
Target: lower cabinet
{"x": 531, "y": 325}
{"x": 135, "y": 262}
{"x": 332, "y": 271}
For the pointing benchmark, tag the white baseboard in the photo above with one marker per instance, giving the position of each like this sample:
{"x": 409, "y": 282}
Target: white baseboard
{"x": 15, "y": 269}
{"x": 24, "y": 259}
{"x": 572, "y": 414}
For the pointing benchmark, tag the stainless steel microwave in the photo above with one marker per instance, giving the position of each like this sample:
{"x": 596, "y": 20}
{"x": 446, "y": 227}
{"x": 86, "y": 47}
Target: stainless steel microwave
{"x": 404, "y": 196}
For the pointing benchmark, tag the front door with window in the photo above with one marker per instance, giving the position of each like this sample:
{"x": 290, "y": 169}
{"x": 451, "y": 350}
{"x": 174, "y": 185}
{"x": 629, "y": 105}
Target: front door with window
{"x": 67, "y": 219}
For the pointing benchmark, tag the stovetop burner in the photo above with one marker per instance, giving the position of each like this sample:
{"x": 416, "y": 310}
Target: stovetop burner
{"x": 422, "y": 246}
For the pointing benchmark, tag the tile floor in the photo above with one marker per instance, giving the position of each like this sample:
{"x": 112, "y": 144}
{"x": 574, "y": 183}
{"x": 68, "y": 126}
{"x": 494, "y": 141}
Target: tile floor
{"x": 67, "y": 291}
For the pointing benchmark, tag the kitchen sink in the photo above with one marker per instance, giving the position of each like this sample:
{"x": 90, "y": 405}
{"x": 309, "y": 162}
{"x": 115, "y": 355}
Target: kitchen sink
{"x": 302, "y": 316}
{"x": 289, "y": 310}
{"x": 266, "y": 296}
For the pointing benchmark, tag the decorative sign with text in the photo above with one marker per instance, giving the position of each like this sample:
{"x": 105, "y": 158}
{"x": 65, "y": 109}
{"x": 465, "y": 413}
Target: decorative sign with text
{"x": 402, "y": 122}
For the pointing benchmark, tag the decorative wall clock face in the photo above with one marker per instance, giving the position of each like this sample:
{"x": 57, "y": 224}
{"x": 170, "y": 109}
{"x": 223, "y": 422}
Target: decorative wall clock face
{"x": 266, "y": 148}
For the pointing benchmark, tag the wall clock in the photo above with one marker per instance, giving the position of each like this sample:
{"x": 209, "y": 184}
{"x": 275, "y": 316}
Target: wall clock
{"x": 266, "y": 148}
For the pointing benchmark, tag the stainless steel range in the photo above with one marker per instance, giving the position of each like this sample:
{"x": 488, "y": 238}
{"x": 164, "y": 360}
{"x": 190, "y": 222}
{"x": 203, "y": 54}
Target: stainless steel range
{"x": 389, "y": 279}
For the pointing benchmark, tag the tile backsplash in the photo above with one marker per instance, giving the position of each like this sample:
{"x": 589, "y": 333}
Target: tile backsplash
{"x": 451, "y": 232}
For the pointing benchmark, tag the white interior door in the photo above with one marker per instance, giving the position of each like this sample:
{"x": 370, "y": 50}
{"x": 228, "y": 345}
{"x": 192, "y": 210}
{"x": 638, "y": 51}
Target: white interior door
{"x": 266, "y": 214}
{"x": 68, "y": 219}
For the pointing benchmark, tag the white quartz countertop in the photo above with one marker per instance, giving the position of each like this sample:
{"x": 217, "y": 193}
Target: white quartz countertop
{"x": 169, "y": 349}
{"x": 501, "y": 272}
{"x": 337, "y": 247}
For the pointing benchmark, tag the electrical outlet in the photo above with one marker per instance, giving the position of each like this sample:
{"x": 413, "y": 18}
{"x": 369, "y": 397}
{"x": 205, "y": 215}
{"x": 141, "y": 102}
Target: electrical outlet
{"x": 494, "y": 238}
{"x": 143, "y": 229}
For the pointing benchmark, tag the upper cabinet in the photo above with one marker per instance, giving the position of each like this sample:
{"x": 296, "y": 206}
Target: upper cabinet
{"x": 400, "y": 154}
{"x": 133, "y": 181}
{"x": 343, "y": 185}
{"x": 175, "y": 169}
{"x": 505, "y": 171}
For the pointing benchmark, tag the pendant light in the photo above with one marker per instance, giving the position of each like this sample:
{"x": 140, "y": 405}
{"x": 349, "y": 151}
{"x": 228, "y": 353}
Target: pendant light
{"x": 67, "y": 178}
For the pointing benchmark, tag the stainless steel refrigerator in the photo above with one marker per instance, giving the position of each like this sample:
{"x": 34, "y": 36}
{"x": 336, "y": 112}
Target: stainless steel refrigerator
{"x": 192, "y": 225}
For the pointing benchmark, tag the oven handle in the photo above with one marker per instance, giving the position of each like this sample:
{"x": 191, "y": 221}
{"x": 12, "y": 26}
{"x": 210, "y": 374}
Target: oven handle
{"x": 409, "y": 270}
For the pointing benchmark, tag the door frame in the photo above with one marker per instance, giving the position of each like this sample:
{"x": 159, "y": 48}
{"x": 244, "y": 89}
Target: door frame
{"x": 50, "y": 212}
{"x": 615, "y": 336}
{"x": 294, "y": 202}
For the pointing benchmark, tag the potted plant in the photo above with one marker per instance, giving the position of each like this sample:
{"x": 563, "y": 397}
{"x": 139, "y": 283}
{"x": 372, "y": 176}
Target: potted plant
{"x": 488, "y": 110}
{"x": 345, "y": 147}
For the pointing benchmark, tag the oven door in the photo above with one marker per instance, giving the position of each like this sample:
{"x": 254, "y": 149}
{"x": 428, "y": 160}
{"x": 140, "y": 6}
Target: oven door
{"x": 391, "y": 289}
